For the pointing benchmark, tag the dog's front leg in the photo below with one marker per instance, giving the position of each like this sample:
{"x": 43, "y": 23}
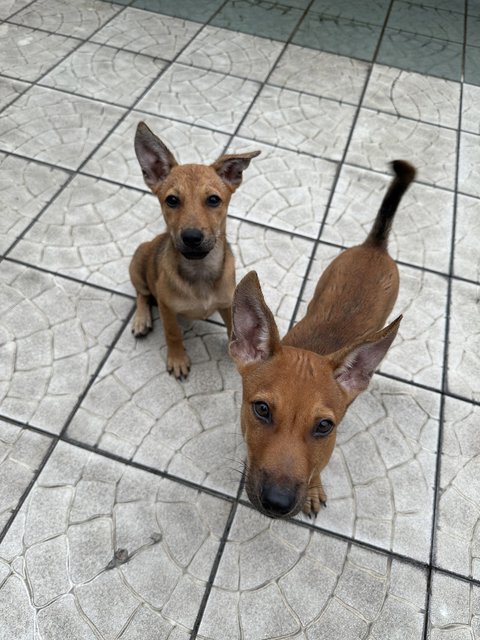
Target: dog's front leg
{"x": 178, "y": 361}
{"x": 316, "y": 496}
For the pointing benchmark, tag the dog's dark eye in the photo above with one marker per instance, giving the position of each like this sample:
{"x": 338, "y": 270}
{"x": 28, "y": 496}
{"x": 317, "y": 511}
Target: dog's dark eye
{"x": 262, "y": 411}
{"x": 323, "y": 428}
{"x": 172, "y": 201}
{"x": 213, "y": 201}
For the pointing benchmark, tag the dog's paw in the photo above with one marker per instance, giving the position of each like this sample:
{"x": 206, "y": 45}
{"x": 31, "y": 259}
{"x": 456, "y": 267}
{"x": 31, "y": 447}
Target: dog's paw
{"x": 142, "y": 324}
{"x": 316, "y": 498}
{"x": 179, "y": 365}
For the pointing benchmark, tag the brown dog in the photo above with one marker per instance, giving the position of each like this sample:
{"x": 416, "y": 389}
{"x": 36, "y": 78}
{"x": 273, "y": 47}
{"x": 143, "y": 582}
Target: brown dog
{"x": 189, "y": 269}
{"x": 296, "y": 391}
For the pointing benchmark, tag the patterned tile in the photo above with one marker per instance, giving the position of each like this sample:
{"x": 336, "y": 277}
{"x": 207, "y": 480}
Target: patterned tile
{"x": 413, "y": 95}
{"x": 344, "y": 37}
{"x": 200, "y": 97}
{"x": 422, "y": 54}
{"x": 25, "y": 188}
{"x": 121, "y": 552}
{"x": 421, "y": 233}
{"x": 28, "y": 54}
{"x": 467, "y": 250}
{"x": 259, "y": 18}
{"x": 320, "y": 73}
{"x": 10, "y": 90}
{"x": 55, "y": 127}
{"x": 454, "y": 609}
{"x": 470, "y": 109}
{"x": 284, "y": 189}
{"x": 472, "y": 61}
{"x": 189, "y": 428}
{"x": 188, "y": 9}
{"x": 116, "y": 159}
{"x": 464, "y": 341}
{"x": 147, "y": 33}
{"x": 59, "y": 16}
{"x": 105, "y": 73}
{"x": 371, "y": 11}
{"x": 417, "y": 352}
{"x": 379, "y": 138}
{"x": 427, "y": 21}
{"x": 469, "y": 172}
{"x": 458, "y": 523}
{"x": 21, "y": 453}
{"x": 232, "y": 53}
{"x": 299, "y": 122}
{"x": 9, "y": 7}
{"x": 54, "y": 334}
{"x": 450, "y": 5}
{"x": 91, "y": 231}
{"x": 358, "y": 594}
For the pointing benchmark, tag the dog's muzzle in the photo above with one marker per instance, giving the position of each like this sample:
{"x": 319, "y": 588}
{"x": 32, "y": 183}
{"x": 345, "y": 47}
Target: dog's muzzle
{"x": 194, "y": 245}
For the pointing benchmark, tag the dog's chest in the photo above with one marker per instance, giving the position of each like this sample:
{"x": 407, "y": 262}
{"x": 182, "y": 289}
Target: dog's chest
{"x": 202, "y": 304}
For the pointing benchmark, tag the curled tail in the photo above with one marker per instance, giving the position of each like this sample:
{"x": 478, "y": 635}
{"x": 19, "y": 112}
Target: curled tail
{"x": 404, "y": 174}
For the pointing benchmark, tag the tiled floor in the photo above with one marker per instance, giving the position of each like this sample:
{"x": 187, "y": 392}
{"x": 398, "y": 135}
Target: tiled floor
{"x": 121, "y": 510}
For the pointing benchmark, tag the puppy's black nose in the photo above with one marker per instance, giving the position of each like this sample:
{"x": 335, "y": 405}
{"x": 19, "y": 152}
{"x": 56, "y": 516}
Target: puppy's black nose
{"x": 192, "y": 238}
{"x": 278, "y": 501}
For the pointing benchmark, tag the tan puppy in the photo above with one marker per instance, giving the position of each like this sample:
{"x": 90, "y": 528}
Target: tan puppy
{"x": 189, "y": 269}
{"x": 296, "y": 391}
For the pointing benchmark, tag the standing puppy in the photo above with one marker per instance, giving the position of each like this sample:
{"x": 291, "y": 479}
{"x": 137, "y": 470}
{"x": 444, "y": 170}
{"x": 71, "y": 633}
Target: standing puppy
{"x": 189, "y": 269}
{"x": 296, "y": 391}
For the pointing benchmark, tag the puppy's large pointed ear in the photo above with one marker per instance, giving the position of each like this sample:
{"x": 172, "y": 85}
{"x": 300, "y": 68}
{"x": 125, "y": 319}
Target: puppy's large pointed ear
{"x": 254, "y": 333}
{"x": 354, "y": 365}
{"x": 230, "y": 168}
{"x": 156, "y": 160}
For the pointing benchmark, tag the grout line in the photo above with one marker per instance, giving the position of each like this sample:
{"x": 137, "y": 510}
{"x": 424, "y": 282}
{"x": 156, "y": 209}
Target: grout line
{"x": 444, "y": 387}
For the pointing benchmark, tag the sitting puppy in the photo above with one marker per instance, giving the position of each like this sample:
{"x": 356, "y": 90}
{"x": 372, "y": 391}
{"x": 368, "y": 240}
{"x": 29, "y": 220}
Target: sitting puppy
{"x": 189, "y": 269}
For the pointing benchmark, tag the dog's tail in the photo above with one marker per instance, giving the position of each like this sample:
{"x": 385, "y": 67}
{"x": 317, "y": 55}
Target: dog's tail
{"x": 404, "y": 174}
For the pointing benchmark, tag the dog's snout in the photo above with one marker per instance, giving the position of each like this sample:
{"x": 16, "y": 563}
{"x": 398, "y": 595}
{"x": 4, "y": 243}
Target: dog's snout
{"x": 192, "y": 238}
{"x": 278, "y": 501}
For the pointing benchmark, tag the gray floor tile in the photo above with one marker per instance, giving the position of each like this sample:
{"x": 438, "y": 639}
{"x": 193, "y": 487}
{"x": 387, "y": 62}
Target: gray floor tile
{"x": 450, "y": 5}
{"x": 259, "y": 18}
{"x": 413, "y": 95}
{"x": 28, "y": 54}
{"x": 467, "y": 250}
{"x": 134, "y": 386}
{"x": 54, "y": 335}
{"x": 145, "y": 32}
{"x": 200, "y": 97}
{"x": 469, "y": 172}
{"x": 91, "y": 231}
{"x": 105, "y": 73}
{"x": 300, "y": 122}
{"x": 472, "y": 61}
{"x": 358, "y": 594}
{"x": 116, "y": 159}
{"x": 470, "y": 109}
{"x": 189, "y": 9}
{"x": 373, "y": 12}
{"x": 435, "y": 23}
{"x": 60, "y": 16}
{"x": 417, "y": 352}
{"x": 232, "y": 53}
{"x": 49, "y": 125}
{"x": 9, "y": 7}
{"x": 454, "y": 609}
{"x": 344, "y": 37}
{"x": 464, "y": 341}
{"x": 458, "y": 522}
{"x": 25, "y": 189}
{"x": 21, "y": 453}
{"x": 379, "y": 138}
{"x": 323, "y": 74}
{"x": 284, "y": 189}
{"x": 122, "y": 552}
{"x": 10, "y": 90}
{"x": 421, "y": 233}
{"x": 422, "y": 54}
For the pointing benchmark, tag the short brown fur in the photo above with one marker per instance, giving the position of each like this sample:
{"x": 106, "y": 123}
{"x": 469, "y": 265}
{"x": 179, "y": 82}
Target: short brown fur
{"x": 189, "y": 269}
{"x": 294, "y": 390}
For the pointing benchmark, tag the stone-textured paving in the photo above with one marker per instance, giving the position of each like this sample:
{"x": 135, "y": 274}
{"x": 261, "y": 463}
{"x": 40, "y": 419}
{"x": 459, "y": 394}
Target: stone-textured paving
{"x": 122, "y": 515}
